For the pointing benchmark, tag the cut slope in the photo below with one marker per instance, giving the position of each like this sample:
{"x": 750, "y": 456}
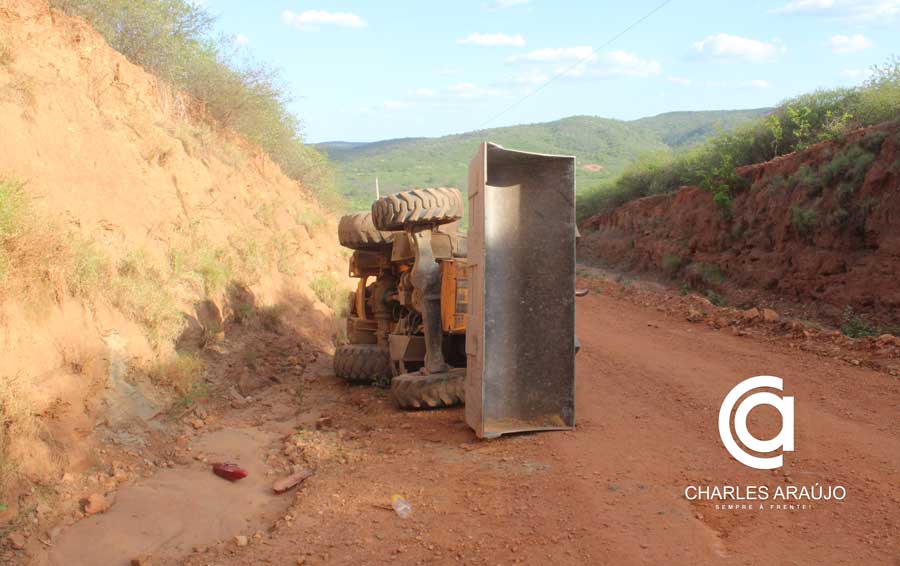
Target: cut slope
{"x": 816, "y": 227}
{"x": 148, "y": 230}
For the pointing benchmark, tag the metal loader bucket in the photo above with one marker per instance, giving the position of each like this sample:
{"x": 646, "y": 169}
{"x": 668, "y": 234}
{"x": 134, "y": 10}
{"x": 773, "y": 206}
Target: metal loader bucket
{"x": 520, "y": 338}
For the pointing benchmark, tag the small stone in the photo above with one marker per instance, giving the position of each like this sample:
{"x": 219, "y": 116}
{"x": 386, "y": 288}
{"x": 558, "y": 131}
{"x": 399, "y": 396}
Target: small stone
{"x": 286, "y": 483}
{"x": 770, "y": 316}
{"x": 750, "y": 314}
{"x": 16, "y": 541}
{"x": 694, "y": 315}
{"x": 324, "y": 422}
{"x": 95, "y": 503}
{"x": 197, "y": 423}
{"x": 142, "y": 560}
{"x": 241, "y": 540}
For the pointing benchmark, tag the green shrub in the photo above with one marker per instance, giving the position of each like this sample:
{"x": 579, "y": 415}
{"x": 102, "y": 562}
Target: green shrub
{"x": 806, "y": 176}
{"x": 860, "y": 160}
{"x": 777, "y": 183}
{"x": 672, "y": 264}
{"x": 836, "y": 168}
{"x": 804, "y": 219}
{"x": 854, "y": 326}
{"x": 709, "y": 273}
{"x": 716, "y": 298}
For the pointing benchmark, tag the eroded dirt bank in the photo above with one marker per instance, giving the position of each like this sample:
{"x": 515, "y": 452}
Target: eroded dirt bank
{"x": 133, "y": 234}
{"x": 612, "y": 492}
{"x": 820, "y": 227}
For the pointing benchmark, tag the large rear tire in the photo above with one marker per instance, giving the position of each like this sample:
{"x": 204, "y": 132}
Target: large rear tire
{"x": 417, "y": 391}
{"x": 357, "y": 232}
{"x": 362, "y": 363}
{"x": 417, "y": 207}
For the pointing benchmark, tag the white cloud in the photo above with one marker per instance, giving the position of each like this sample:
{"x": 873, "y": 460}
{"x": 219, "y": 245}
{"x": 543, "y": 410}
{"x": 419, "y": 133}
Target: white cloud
{"x": 556, "y": 54}
{"x": 760, "y": 83}
{"x": 681, "y": 81}
{"x": 530, "y": 77}
{"x": 624, "y": 64}
{"x": 863, "y": 11}
{"x": 310, "y": 20}
{"x": 843, "y": 44}
{"x": 503, "y": 4}
{"x": 804, "y": 6}
{"x": 424, "y": 92}
{"x": 493, "y": 40}
{"x": 395, "y": 104}
{"x": 449, "y": 71}
{"x": 240, "y": 39}
{"x": 583, "y": 61}
{"x": 856, "y": 74}
{"x": 472, "y": 90}
{"x": 725, "y": 47}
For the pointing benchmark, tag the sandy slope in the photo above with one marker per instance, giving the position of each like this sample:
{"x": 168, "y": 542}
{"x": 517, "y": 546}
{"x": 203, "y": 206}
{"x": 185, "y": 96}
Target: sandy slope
{"x": 110, "y": 155}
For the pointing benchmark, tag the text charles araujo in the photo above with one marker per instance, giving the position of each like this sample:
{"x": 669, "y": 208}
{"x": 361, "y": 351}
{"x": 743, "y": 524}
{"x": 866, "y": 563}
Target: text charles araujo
{"x": 787, "y": 493}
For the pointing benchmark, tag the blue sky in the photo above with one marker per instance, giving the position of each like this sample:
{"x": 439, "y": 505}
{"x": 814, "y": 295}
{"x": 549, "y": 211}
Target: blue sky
{"x": 364, "y": 70}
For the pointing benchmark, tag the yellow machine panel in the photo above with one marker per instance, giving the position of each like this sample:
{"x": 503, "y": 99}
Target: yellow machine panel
{"x": 454, "y": 296}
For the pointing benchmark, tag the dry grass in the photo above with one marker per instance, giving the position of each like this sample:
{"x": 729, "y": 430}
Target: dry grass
{"x": 325, "y": 286}
{"x": 265, "y": 213}
{"x": 34, "y": 255}
{"x": 140, "y": 290}
{"x": 22, "y": 91}
{"x": 181, "y": 372}
{"x": 6, "y": 54}
{"x": 252, "y": 256}
{"x": 17, "y": 426}
{"x": 311, "y": 219}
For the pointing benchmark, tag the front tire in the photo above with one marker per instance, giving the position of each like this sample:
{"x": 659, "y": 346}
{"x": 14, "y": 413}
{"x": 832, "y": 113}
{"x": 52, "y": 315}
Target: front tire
{"x": 437, "y": 390}
{"x": 358, "y": 232}
{"x": 362, "y": 363}
{"x": 416, "y": 208}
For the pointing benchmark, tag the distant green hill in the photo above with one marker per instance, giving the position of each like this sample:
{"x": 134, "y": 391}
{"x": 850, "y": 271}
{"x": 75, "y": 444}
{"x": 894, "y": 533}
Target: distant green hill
{"x": 603, "y": 148}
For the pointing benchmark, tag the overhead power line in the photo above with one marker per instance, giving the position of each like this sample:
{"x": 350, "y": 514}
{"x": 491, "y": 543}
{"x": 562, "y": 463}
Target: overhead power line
{"x": 604, "y": 45}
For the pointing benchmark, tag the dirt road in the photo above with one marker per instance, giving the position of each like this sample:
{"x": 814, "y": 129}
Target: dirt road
{"x": 612, "y": 492}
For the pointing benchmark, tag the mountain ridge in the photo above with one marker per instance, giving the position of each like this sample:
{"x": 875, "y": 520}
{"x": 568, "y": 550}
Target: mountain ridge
{"x": 604, "y": 147}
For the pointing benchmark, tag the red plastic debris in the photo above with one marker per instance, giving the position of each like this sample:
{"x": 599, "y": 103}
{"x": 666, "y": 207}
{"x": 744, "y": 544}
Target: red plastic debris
{"x": 231, "y": 472}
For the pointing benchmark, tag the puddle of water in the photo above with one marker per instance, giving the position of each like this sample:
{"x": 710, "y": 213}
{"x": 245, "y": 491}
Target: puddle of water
{"x": 178, "y": 509}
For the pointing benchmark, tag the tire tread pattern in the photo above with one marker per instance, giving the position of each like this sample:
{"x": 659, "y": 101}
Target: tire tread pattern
{"x": 418, "y": 206}
{"x": 416, "y": 391}
{"x": 361, "y": 363}
{"x": 358, "y": 232}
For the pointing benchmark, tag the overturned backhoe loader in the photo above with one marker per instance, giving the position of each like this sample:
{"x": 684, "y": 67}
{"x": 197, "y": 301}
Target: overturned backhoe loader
{"x": 486, "y": 318}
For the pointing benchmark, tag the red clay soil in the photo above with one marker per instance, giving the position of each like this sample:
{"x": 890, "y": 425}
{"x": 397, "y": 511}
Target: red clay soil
{"x": 847, "y": 255}
{"x": 649, "y": 388}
